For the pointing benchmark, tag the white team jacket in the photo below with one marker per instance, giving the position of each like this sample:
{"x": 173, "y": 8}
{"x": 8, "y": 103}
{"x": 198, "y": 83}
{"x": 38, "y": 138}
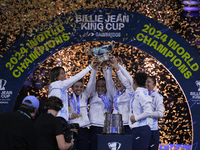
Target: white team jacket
{"x": 97, "y": 105}
{"x": 157, "y": 109}
{"x": 123, "y": 101}
{"x": 59, "y": 89}
{"x": 83, "y": 120}
{"x": 140, "y": 107}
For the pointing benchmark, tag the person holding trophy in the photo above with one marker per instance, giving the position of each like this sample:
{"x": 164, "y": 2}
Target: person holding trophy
{"x": 100, "y": 98}
{"x": 78, "y": 109}
{"x": 100, "y": 104}
{"x": 121, "y": 92}
{"x": 59, "y": 85}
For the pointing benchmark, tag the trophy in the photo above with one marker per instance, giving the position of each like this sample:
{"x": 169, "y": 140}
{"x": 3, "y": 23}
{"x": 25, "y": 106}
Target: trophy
{"x": 102, "y": 52}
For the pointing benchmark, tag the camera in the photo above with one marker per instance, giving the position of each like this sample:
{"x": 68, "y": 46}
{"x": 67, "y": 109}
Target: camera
{"x": 70, "y": 131}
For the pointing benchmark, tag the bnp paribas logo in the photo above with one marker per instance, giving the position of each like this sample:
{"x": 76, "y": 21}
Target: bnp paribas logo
{"x": 114, "y": 145}
{"x": 198, "y": 84}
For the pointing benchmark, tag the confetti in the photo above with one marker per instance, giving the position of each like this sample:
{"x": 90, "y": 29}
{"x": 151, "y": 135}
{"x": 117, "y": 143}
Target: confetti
{"x": 176, "y": 126}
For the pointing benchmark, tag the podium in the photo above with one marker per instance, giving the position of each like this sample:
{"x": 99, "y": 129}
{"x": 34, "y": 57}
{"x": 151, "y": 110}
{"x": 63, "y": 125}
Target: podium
{"x": 114, "y": 142}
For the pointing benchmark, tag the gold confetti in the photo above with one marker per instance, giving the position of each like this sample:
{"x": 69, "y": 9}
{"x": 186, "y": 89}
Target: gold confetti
{"x": 26, "y": 17}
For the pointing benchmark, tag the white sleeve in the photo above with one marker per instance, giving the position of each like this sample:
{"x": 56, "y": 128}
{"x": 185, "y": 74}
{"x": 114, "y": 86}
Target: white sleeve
{"x": 110, "y": 85}
{"x": 124, "y": 80}
{"x": 159, "y": 112}
{"x": 145, "y": 101}
{"x": 126, "y": 73}
{"x": 91, "y": 88}
{"x": 105, "y": 72}
{"x": 147, "y": 112}
{"x": 108, "y": 93}
{"x": 66, "y": 84}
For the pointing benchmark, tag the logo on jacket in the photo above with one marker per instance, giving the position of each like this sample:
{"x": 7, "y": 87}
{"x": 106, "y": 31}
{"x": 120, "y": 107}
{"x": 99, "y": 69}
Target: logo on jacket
{"x": 114, "y": 145}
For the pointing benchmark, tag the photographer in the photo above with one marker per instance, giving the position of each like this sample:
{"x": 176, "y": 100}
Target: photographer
{"x": 50, "y": 129}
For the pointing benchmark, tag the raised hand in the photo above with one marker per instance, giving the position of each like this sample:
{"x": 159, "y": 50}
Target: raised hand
{"x": 94, "y": 64}
{"x": 104, "y": 64}
{"x": 114, "y": 63}
{"x": 119, "y": 60}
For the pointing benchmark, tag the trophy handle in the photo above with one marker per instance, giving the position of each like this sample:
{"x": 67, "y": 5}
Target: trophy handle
{"x": 88, "y": 51}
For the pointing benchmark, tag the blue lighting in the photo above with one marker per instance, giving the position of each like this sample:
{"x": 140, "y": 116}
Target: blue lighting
{"x": 191, "y": 2}
{"x": 174, "y": 146}
{"x": 191, "y": 14}
{"x": 191, "y": 8}
{"x": 114, "y": 130}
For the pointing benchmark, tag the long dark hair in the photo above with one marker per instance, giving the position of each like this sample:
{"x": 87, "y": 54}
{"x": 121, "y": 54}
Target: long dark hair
{"x": 54, "y": 73}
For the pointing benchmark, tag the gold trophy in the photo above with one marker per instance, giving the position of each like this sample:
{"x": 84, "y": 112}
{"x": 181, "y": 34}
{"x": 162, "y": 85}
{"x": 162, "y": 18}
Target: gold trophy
{"x": 102, "y": 52}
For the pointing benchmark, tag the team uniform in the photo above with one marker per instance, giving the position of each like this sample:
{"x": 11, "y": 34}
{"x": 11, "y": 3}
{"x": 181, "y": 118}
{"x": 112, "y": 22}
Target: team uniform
{"x": 157, "y": 111}
{"x": 140, "y": 107}
{"x": 99, "y": 105}
{"x": 59, "y": 89}
{"x": 126, "y": 74}
{"x": 78, "y": 104}
{"x": 121, "y": 100}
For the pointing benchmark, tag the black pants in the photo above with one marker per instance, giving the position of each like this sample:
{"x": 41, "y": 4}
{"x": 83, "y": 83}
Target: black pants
{"x": 93, "y": 136}
{"x": 82, "y": 142}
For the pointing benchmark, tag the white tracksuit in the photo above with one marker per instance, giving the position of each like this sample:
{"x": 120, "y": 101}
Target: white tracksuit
{"x": 122, "y": 101}
{"x": 59, "y": 89}
{"x": 140, "y": 107}
{"x": 99, "y": 106}
{"x": 157, "y": 109}
{"x": 83, "y": 121}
